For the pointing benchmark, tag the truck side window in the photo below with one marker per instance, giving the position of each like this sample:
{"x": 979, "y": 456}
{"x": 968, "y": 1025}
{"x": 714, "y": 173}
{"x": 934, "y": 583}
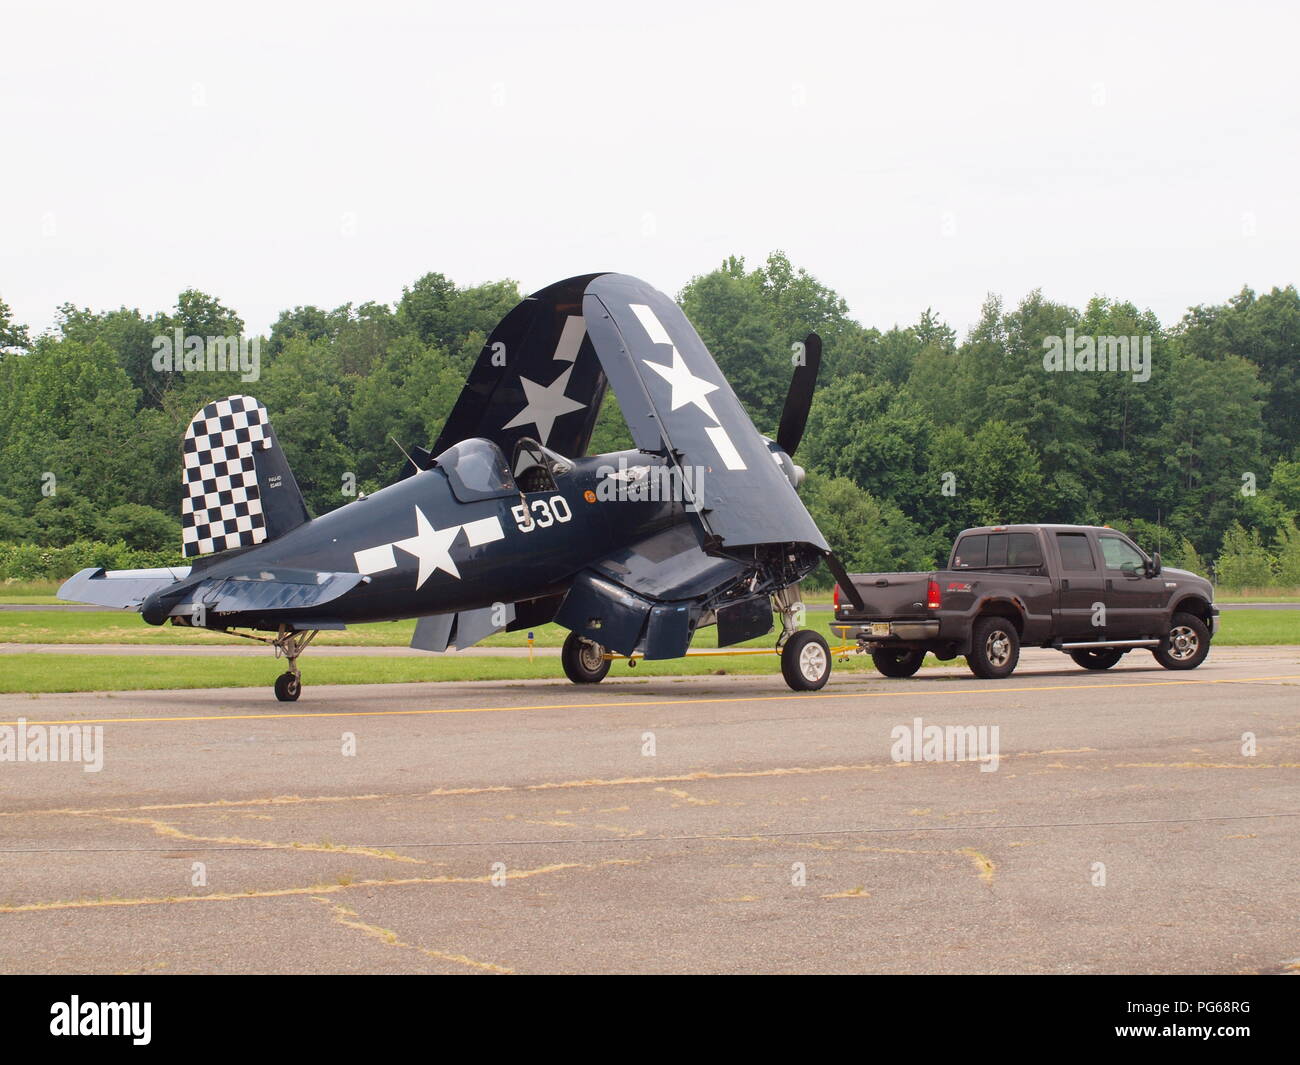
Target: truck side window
{"x": 1022, "y": 550}
{"x": 972, "y": 553}
{"x": 1120, "y": 554}
{"x": 1075, "y": 553}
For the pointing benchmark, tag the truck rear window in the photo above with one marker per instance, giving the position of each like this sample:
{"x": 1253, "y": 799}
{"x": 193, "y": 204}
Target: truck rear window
{"x": 972, "y": 553}
{"x": 997, "y": 550}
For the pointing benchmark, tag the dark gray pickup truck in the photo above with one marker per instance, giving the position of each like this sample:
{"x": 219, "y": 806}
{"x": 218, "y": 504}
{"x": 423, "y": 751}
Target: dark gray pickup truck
{"x": 1087, "y": 591}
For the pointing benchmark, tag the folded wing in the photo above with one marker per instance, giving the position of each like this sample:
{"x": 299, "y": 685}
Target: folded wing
{"x": 537, "y": 376}
{"x": 677, "y": 402}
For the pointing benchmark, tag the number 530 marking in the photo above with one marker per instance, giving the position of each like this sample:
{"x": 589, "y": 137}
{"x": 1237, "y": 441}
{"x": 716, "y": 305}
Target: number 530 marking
{"x": 545, "y": 513}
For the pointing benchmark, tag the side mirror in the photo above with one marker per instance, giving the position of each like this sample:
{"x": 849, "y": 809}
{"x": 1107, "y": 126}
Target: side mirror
{"x": 1153, "y": 567}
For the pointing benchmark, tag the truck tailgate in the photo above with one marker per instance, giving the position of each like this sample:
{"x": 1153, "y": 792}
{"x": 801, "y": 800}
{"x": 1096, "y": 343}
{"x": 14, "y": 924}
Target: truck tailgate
{"x": 887, "y": 595}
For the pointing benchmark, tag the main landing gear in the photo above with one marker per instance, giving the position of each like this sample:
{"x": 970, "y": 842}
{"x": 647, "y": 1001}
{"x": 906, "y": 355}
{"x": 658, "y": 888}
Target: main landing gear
{"x": 584, "y": 660}
{"x": 805, "y": 655}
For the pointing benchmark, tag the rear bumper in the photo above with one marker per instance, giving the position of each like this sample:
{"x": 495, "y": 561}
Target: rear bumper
{"x": 1214, "y": 620}
{"x": 886, "y": 631}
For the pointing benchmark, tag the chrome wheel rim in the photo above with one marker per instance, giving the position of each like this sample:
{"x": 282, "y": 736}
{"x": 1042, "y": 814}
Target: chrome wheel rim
{"x": 1183, "y": 643}
{"x": 997, "y": 648}
{"x": 812, "y": 661}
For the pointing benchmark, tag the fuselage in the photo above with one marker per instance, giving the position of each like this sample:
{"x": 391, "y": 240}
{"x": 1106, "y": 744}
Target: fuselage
{"x": 425, "y": 551}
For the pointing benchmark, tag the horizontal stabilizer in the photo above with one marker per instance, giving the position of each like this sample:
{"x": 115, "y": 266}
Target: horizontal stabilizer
{"x": 124, "y": 589}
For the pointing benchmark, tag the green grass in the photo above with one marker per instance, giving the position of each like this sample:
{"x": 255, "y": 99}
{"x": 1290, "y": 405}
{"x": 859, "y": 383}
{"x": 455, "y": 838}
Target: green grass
{"x": 42, "y": 593}
{"x": 76, "y": 673}
{"x": 117, "y": 626}
{"x": 1237, "y": 628}
{"x": 1252, "y": 628}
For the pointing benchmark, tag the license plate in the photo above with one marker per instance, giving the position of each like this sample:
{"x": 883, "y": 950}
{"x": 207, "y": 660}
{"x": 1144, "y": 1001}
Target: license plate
{"x": 880, "y": 628}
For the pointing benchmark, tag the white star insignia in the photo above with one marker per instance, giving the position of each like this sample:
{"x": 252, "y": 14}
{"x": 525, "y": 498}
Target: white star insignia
{"x": 545, "y": 404}
{"x": 687, "y": 388}
{"x": 432, "y": 547}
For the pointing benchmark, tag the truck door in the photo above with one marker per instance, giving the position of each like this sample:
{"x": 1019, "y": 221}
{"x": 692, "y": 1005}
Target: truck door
{"x": 1132, "y": 598}
{"x": 1080, "y": 587}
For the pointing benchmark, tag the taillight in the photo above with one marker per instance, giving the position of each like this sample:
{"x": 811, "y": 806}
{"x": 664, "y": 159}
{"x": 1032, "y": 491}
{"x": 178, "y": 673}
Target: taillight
{"x": 835, "y": 599}
{"x": 932, "y": 598}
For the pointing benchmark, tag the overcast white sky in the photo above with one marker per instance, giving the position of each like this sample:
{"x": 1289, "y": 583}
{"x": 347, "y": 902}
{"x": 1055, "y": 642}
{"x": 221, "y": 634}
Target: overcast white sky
{"x": 907, "y": 154}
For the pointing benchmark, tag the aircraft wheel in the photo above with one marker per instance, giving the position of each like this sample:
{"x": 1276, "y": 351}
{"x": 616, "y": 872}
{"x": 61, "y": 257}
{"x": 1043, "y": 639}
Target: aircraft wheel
{"x": 288, "y": 686}
{"x": 892, "y": 663}
{"x": 584, "y": 661}
{"x": 1097, "y": 659}
{"x": 806, "y": 661}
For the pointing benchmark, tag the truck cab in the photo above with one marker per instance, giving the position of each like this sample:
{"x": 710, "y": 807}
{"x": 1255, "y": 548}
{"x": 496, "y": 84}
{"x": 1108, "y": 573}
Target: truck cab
{"x": 1088, "y": 591}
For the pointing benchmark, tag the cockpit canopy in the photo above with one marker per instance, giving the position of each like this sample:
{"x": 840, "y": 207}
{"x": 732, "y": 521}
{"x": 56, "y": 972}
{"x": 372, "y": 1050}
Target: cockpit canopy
{"x": 477, "y": 469}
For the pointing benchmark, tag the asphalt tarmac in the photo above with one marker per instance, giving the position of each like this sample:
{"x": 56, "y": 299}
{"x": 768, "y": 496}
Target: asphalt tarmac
{"x": 1136, "y": 820}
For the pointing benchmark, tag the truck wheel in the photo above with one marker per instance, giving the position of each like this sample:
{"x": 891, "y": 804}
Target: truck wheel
{"x": 806, "y": 661}
{"x": 584, "y": 661}
{"x": 995, "y": 648}
{"x": 1186, "y": 645}
{"x": 1103, "y": 658}
{"x": 898, "y": 663}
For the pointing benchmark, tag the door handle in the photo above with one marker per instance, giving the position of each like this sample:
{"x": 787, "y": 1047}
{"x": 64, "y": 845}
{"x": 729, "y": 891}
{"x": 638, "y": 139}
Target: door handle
{"x": 1065, "y": 584}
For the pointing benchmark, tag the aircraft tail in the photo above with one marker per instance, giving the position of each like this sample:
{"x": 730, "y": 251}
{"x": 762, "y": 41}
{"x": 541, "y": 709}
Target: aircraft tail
{"x": 239, "y": 490}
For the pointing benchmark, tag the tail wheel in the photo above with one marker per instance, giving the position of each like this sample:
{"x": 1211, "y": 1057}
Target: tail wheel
{"x": 584, "y": 660}
{"x": 898, "y": 663}
{"x": 288, "y": 686}
{"x": 1099, "y": 659}
{"x": 1186, "y": 645}
{"x": 806, "y": 661}
{"x": 995, "y": 648}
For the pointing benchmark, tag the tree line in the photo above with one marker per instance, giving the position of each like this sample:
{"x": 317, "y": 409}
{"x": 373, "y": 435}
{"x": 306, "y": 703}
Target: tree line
{"x": 915, "y": 433}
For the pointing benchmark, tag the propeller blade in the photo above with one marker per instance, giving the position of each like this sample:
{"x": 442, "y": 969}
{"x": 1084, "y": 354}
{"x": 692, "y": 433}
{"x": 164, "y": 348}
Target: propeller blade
{"x": 841, "y": 575}
{"x": 798, "y": 401}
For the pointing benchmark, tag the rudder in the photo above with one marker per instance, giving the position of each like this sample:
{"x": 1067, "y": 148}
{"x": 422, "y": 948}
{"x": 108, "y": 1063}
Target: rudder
{"x": 239, "y": 490}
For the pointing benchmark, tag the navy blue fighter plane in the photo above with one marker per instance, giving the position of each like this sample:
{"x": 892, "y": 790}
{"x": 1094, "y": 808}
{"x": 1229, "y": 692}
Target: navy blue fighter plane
{"x": 506, "y": 523}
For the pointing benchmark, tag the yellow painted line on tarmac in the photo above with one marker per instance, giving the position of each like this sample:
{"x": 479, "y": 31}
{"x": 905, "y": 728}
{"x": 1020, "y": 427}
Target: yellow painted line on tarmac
{"x": 620, "y": 704}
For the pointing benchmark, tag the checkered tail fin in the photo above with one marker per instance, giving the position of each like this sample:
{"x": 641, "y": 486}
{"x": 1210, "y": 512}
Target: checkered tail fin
{"x": 239, "y": 490}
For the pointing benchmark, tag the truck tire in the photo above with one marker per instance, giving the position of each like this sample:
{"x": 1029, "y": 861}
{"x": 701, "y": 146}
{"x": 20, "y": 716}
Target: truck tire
{"x": 806, "y": 661}
{"x": 1186, "y": 645}
{"x": 1102, "y": 658}
{"x": 897, "y": 663}
{"x": 583, "y": 660}
{"x": 995, "y": 648}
